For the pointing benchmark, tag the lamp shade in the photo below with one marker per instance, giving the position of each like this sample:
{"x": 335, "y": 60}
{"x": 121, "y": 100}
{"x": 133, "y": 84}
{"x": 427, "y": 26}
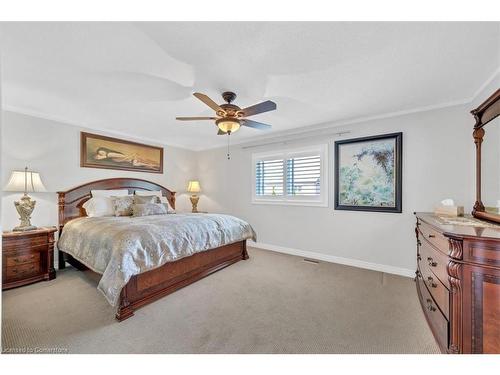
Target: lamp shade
{"x": 194, "y": 187}
{"x": 26, "y": 181}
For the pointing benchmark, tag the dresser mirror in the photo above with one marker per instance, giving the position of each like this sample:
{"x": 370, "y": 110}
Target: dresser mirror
{"x": 487, "y": 139}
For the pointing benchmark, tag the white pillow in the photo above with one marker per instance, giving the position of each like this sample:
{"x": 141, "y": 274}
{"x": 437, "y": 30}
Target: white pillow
{"x": 109, "y": 193}
{"x": 145, "y": 193}
{"x": 99, "y": 206}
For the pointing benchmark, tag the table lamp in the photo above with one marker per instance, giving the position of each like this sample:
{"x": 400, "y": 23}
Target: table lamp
{"x": 194, "y": 187}
{"x": 25, "y": 181}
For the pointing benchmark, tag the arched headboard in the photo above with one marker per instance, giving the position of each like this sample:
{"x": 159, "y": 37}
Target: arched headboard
{"x": 71, "y": 201}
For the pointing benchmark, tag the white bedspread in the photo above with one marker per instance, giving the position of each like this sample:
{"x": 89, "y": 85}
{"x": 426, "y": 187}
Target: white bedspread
{"x": 121, "y": 247}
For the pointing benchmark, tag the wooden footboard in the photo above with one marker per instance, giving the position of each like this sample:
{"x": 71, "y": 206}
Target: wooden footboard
{"x": 149, "y": 286}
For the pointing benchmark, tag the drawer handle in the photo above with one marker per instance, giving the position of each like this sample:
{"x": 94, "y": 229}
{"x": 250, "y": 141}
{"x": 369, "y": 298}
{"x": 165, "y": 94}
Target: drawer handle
{"x": 419, "y": 243}
{"x": 429, "y": 305}
{"x": 431, "y": 261}
{"x": 431, "y": 281}
{"x": 18, "y": 260}
{"x": 24, "y": 271}
{"x": 431, "y": 236}
{"x": 419, "y": 258}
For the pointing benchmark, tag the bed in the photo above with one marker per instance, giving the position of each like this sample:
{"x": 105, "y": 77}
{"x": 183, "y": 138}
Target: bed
{"x": 147, "y": 282}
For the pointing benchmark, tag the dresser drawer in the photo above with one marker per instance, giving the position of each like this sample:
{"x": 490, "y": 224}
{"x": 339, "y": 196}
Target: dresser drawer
{"x": 23, "y": 271}
{"x": 439, "y": 292}
{"x": 436, "y": 319}
{"x": 435, "y": 261}
{"x": 434, "y": 237}
{"x": 13, "y": 260}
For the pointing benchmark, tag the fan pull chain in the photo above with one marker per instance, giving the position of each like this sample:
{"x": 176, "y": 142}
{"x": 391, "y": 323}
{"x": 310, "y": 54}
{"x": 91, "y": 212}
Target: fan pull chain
{"x": 228, "y": 144}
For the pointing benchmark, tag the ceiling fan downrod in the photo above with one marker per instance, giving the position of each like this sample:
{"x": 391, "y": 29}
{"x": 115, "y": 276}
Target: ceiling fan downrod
{"x": 228, "y": 96}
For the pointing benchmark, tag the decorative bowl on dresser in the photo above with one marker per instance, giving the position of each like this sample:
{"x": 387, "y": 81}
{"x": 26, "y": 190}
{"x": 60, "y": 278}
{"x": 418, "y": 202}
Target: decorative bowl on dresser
{"x": 27, "y": 257}
{"x": 458, "y": 282}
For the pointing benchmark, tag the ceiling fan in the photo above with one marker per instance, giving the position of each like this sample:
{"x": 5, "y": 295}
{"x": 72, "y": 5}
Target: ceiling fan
{"x": 229, "y": 116}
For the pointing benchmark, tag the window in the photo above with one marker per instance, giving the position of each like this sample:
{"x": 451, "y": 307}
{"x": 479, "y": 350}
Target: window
{"x": 292, "y": 177}
{"x": 269, "y": 177}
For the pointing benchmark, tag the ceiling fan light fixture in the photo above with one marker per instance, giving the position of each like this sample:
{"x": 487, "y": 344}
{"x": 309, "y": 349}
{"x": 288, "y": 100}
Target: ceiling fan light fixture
{"x": 228, "y": 124}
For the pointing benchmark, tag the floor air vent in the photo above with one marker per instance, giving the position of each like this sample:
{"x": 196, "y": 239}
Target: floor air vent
{"x": 310, "y": 261}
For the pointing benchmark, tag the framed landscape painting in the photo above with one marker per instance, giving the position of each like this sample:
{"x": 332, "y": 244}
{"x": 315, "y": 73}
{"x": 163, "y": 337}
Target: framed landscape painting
{"x": 368, "y": 173}
{"x": 97, "y": 151}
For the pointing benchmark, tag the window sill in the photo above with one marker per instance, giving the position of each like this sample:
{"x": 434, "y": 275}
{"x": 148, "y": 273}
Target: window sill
{"x": 290, "y": 202}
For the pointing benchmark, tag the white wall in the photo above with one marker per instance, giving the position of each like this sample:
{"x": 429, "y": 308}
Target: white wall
{"x": 53, "y": 149}
{"x": 438, "y": 160}
{"x": 438, "y": 163}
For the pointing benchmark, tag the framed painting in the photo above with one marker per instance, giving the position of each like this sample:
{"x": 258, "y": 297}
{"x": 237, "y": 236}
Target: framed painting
{"x": 368, "y": 173}
{"x": 98, "y": 151}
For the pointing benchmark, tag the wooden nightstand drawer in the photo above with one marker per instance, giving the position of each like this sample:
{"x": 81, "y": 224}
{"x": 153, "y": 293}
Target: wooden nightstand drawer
{"x": 24, "y": 242}
{"x": 14, "y": 261}
{"x": 22, "y": 271}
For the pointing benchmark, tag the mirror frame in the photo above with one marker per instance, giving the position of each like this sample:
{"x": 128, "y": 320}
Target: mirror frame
{"x": 484, "y": 113}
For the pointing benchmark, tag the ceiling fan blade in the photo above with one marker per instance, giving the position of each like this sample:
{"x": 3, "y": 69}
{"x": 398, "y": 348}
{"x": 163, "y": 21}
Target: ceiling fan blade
{"x": 220, "y": 132}
{"x": 255, "y": 124}
{"x": 195, "y": 118}
{"x": 259, "y": 108}
{"x": 205, "y": 99}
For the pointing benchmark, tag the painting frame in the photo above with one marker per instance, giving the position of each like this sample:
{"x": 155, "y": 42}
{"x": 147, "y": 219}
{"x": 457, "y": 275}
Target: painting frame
{"x": 398, "y": 169}
{"x": 86, "y": 163}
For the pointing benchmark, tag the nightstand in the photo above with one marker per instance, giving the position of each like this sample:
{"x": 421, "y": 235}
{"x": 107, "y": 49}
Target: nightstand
{"x": 27, "y": 257}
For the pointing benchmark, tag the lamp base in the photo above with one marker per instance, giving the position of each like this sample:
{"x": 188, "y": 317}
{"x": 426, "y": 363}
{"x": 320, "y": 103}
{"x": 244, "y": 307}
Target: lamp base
{"x": 194, "y": 202}
{"x": 21, "y": 228}
{"x": 24, "y": 208}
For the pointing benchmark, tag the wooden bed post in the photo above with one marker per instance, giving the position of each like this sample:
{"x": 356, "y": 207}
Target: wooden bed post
{"x": 244, "y": 254}
{"x": 61, "y": 263}
{"x": 125, "y": 309}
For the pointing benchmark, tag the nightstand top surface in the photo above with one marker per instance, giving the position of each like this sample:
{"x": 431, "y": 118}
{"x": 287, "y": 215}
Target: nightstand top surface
{"x": 39, "y": 230}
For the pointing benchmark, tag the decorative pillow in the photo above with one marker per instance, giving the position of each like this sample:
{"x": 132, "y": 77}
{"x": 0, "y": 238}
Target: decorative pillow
{"x": 158, "y": 194}
{"x": 109, "y": 193}
{"x": 143, "y": 199}
{"x": 164, "y": 200}
{"x": 123, "y": 205}
{"x": 149, "y": 209}
{"x": 98, "y": 207}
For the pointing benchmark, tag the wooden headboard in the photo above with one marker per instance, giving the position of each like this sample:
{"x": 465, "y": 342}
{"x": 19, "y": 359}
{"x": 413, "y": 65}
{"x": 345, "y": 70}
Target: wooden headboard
{"x": 71, "y": 201}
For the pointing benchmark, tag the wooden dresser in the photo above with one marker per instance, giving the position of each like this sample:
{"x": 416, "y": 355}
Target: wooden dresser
{"x": 27, "y": 257}
{"x": 458, "y": 283}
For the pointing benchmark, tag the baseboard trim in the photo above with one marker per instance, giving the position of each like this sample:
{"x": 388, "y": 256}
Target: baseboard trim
{"x": 335, "y": 259}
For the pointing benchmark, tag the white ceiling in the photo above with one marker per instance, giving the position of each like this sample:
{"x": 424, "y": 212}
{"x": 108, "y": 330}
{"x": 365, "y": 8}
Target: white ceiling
{"x": 134, "y": 78}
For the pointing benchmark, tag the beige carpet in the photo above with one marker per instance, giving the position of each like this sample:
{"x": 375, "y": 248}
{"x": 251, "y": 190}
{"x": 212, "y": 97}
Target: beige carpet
{"x": 271, "y": 303}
